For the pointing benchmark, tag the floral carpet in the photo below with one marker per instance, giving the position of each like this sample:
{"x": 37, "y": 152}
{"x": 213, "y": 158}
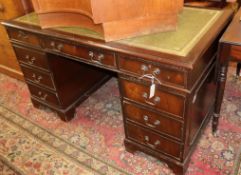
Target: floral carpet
{"x": 34, "y": 142}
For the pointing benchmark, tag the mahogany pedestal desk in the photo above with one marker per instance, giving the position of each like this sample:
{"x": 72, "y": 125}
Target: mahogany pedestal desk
{"x": 166, "y": 80}
{"x": 229, "y": 48}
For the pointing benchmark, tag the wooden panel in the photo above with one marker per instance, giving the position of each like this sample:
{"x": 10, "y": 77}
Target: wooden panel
{"x": 43, "y": 95}
{"x": 38, "y": 77}
{"x": 162, "y": 101}
{"x": 153, "y": 140}
{"x": 31, "y": 57}
{"x": 155, "y": 121}
{"x": 139, "y": 68}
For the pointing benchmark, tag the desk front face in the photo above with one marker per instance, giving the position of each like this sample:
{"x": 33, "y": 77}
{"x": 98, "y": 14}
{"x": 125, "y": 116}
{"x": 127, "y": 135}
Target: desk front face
{"x": 166, "y": 98}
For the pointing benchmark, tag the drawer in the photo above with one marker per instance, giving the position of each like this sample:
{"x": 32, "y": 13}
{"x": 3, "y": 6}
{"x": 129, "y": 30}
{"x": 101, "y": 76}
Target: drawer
{"x": 99, "y": 57}
{"x": 236, "y": 52}
{"x": 163, "y": 101}
{"x": 155, "y": 121}
{"x": 44, "y": 95}
{"x": 38, "y": 77}
{"x": 153, "y": 140}
{"x": 24, "y": 36}
{"x": 164, "y": 75}
{"x": 31, "y": 57}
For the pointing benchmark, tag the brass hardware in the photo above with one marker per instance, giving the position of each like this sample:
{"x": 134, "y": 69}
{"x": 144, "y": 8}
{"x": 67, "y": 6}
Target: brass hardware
{"x": 37, "y": 79}
{"x": 97, "y": 59}
{"x": 157, "y": 99}
{"x": 157, "y": 71}
{"x": 154, "y": 125}
{"x": 57, "y": 47}
{"x": 145, "y": 95}
{"x": 144, "y": 67}
{"x": 153, "y": 146}
{"x": 2, "y": 8}
{"x": 22, "y": 35}
{"x": 42, "y": 96}
{"x": 30, "y": 60}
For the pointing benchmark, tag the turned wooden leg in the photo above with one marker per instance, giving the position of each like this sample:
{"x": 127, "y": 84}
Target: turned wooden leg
{"x": 221, "y": 70}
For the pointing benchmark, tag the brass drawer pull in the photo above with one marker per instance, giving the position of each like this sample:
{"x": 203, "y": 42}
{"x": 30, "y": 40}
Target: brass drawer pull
{"x": 42, "y": 96}
{"x": 97, "y": 59}
{"x": 2, "y": 8}
{"x": 144, "y": 68}
{"x": 155, "y": 100}
{"x": 157, "y": 71}
{"x": 30, "y": 59}
{"x": 56, "y": 47}
{"x": 36, "y": 78}
{"x": 153, "y": 146}
{"x": 154, "y": 125}
{"x": 22, "y": 35}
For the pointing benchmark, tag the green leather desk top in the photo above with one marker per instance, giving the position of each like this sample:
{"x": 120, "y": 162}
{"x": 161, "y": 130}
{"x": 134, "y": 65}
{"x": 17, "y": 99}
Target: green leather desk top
{"x": 193, "y": 23}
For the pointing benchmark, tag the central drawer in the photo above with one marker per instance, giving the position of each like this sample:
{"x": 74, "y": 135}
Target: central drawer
{"x": 96, "y": 56}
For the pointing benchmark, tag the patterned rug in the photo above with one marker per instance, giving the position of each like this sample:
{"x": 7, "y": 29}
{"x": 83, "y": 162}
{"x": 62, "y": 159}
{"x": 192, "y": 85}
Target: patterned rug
{"x": 35, "y": 142}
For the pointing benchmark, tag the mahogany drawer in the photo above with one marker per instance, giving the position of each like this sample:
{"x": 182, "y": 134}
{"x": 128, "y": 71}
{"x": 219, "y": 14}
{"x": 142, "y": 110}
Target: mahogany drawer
{"x": 236, "y": 52}
{"x": 100, "y": 57}
{"x": 163, "y": 101}
{"x": 24, "y": 36}
{"x": 155, "y": 121}
{"x": 44, "y": 95}
{"x": 38, "y": 77}
{"x": 31, "y": 57}
{"x": 164, "y": 75}
{"x": 154, "y": 141}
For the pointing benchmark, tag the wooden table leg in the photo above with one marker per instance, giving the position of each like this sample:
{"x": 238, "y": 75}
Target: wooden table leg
{"x": 222, "y": 67}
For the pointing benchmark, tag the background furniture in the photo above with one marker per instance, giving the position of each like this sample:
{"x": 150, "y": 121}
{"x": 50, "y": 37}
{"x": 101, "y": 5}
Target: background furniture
{"x": 136, "y": 17}
{"x": 229, "y": 48}
{"x": 10, "y": 9}
{"x": 166, "y": 80}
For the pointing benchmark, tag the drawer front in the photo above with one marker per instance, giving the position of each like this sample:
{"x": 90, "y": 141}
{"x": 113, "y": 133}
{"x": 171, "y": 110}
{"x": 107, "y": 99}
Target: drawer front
{"x": 162, "y": 101}
{"x": 31, "y": 57}
{"x": 236, "y": 52}
{"x": 153, "y": 140}
{"x": 44, "y": 95}
{"x": 95, "y": 56}
{"x": 157, "y": 122}
{"x": 23, "y": 36}
{"x": 164, "y": 75}
{"x": 38, "y": 77}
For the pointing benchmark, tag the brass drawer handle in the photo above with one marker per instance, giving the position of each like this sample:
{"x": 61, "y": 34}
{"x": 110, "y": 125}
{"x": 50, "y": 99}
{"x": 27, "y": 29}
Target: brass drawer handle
{"x": 144, "y": 68}
{"x": 153, "y": 146}
{"x": 96, "y": 58}
{"x": 56, "y": 47}
{"x": 36, "y": 78}
{"x": 42, "y": 96}
{"x": 154, "y": 125}
{"x": 30, "y": 59}
{"x": 157, "y": 71}
{"x": 22, "y": 35}
{"x": 2, "y": 8}
{"x": 155, "y": 100}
